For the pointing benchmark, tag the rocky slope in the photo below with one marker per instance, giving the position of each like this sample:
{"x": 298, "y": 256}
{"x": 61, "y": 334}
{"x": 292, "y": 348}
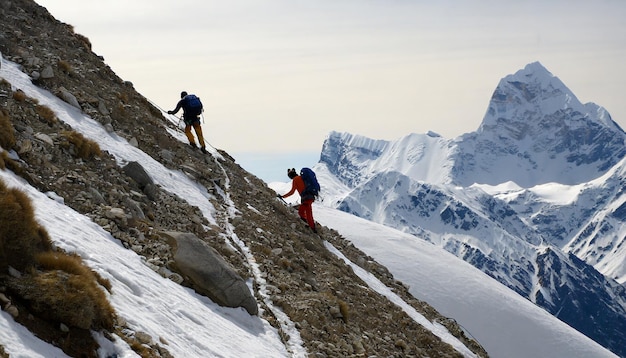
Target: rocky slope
{"x": 335, "y": 313}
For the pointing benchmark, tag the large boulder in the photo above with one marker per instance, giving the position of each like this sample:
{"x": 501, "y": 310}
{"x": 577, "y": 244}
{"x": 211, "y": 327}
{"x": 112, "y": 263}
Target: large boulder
{"x": 138, "y": 174}
{"x": 208, "y": 273}
{"x": 143, "y": 179}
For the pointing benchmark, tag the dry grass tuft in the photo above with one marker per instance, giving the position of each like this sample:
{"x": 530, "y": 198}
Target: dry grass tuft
{"x": 46, "y": 114}
{"x": 82, "y": 147}
{"x": 7, "y": 136}
{"x": 21, "y": 237}
{"x": 285, "y": 263}
{"x": 75, "y": 300}
{"x": 70, "y": 263}
{"x": 65, "y": 275}
{"x": 19, "y": 95}
{"x": 63, "y": 288}
{"x": 85, "y": 41}
{"x": 64, "y": 66}
{"x": 345, "y": 310}
{"x": 267, "y": 251}
{"x": 8, "y": 163}
{"x": 122, "y": 97}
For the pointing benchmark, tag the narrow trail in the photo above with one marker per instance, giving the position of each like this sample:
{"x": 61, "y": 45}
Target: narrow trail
{"x": 287, "y": 330}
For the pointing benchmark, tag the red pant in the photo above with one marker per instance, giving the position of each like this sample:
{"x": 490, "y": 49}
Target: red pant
{"x": 306, "y": 212}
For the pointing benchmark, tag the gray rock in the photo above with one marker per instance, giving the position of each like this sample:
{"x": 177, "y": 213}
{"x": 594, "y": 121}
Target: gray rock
{"x": 68, "y": 97}
{"x": 151, "y": 191}
{"x": 209, "y": 273}
{"x": 115, "y": 213}
{"x": 14, "y": 273}
{"x": 134, "y": 208}
{"x": 44, "y": 138}
{"x": 102, "y": 108}
{"x": 96, "y": 196}
{"x": 143, "y": 337}
{"x": 138, "y": 174}
{"x": 13, "y": 311}
{"x": 33, "y": 61}
{"x": 47, "y": 72}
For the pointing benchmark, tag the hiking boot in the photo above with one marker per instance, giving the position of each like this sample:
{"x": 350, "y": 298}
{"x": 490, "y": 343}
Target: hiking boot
{"x": 203, "y": 149}
{"x": 193, "y": 145}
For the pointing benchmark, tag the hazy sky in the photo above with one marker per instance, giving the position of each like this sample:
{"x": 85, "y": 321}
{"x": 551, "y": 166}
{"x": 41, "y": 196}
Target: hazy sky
{"x": 277, "y": 75}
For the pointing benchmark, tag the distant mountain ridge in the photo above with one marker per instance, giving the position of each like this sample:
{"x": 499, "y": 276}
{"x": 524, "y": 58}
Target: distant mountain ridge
{"x": 538, "y": 130}
{"x": 488, "y": 197}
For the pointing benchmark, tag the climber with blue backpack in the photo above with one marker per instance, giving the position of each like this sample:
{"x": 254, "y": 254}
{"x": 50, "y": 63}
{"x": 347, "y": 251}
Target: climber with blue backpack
{"x": 192, "y": 109}
{"x": 307, "y": 186}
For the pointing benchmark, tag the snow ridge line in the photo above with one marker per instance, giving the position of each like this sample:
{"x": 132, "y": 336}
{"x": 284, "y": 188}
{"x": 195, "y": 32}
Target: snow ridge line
{"x": 290, "y": 334}
{"x": 376, "y": 285}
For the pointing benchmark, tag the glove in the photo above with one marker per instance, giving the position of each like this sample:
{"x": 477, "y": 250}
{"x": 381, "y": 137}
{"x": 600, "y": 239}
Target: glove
{"x": 170, "y": 112}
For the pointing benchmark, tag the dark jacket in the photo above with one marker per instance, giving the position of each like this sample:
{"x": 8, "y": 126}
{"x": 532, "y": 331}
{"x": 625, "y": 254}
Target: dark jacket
{"x": 187, "y": 117}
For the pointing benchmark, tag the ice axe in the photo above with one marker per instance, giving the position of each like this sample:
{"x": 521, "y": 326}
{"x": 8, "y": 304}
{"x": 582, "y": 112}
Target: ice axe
{"x": 281, "y": 199}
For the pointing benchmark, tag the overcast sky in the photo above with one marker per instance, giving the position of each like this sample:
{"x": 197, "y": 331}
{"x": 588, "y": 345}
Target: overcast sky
{"x": 277, "y": 75}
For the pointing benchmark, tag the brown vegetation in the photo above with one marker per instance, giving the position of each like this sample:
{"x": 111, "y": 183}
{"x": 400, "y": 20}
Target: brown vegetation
{"x": 21, "y": 237}
{"x": 19, "y": 95}
{"x": 7, "y": 137}
{"x": 46, "y": 114}
{"x": 70, "y": 263}
{"x": 80, "y": 146}
{"x": 65, "y": 66}
{"x": 53, "y": 287}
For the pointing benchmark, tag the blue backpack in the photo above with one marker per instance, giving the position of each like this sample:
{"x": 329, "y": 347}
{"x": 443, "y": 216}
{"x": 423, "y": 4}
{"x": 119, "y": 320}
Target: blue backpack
{"x": 193, "y": 105}
{"x": 311, "y": 186}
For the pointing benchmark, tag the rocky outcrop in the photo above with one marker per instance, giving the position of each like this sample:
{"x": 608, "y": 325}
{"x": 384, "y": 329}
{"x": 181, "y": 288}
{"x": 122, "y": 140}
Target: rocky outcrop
{"x": 209, "y": 273}
{"x": 135, "y": 171}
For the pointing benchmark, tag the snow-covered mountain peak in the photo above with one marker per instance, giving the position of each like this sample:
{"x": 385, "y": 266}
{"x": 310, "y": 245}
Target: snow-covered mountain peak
{"x": 347, "y": 155}
{"x": 535, "y": 131}
{"x": 528, "y": 95}
{"x": 538, "y": 132}
{"x": 354, "y": 159}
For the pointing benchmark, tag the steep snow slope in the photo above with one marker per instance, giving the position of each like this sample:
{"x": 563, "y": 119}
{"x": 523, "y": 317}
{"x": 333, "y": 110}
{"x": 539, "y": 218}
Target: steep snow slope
{"x": 504, "y": 323}
{"x": 513, "y": 198}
